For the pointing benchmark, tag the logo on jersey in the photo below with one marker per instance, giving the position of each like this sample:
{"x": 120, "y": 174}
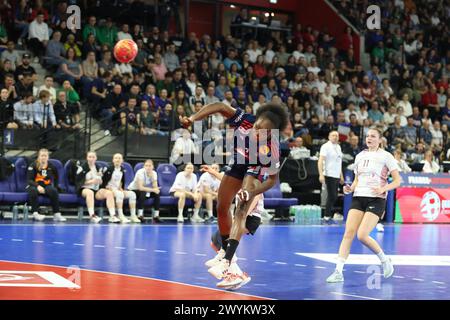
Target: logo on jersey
{"x": 430, "y": 206}
{"x": 264, "y": 150}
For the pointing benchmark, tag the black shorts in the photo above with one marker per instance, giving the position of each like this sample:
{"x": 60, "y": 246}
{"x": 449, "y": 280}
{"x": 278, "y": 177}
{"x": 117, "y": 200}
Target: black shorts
{"x": 80, "y": 191}
{"x": 252, "y": 223}
{"x": 239, "y": 171}
{"x": 369, "y": 204}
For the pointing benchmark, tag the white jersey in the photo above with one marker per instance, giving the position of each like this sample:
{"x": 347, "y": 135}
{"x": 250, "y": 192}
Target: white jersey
{"x": 93, "y": 174}
{"x": 258, "y": 208}
{"x": 208, "y": 180}
{"x": 116, "y": 179}
{"x": 147, "y": 180}
{"x": 372, "y": 169}
{"x": 333, "y": 159}
{"x": 184, "y": 183}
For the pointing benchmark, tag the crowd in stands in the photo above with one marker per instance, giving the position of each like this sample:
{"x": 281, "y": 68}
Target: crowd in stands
{"x": 314, "y": 76}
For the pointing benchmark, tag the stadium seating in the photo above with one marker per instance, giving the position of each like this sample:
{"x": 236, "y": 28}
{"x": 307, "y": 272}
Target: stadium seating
{"x": 12, "y": 190}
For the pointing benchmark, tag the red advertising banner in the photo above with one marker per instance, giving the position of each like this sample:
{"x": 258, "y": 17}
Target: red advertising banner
{"x": 422, "y": 205}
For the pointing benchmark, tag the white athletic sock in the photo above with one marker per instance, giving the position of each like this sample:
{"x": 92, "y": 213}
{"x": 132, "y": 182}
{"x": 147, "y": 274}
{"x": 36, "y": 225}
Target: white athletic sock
{"x": 91, "y": 211}
{"x": 180, "y": 212}
{"x": 382, "y": 256}
{"x": 140, "y": 212}
{"x": 210, "y": 213}
{"x": 120, "y": 212}
{"x": 133, "y": 212}
{"x": 340, "y": 264}
{"x": 112, "y": 212}
{"x": 156, "y": 214}
{"x": 196, "y": 212}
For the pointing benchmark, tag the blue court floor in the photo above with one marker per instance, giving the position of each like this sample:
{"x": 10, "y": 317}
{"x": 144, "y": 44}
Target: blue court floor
{"x": 284, "y": 261}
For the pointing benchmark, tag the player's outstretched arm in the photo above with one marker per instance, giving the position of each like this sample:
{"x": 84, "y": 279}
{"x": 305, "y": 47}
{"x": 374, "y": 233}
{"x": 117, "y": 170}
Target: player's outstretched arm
{"x": 215, "y": 107}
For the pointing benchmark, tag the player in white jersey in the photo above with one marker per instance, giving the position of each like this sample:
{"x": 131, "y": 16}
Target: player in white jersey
{"x": 114, "y": 180}
{"x": 208, "y": 186}
{"x": 370, "y": 187}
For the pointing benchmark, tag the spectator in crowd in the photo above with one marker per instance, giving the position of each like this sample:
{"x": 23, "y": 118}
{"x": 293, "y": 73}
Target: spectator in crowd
{"x": 25, "y": 84}
{"x": 10, "y": 54}
{"x": 90, "y": 72}
{"x": 185, "y": 186}
{"x": 352, "y": 147}
{"x": 402, "y": 165}
{"x": 430, "y": 165}
{"x": 23, "y": 111}
{"x": 7, "y": 111}
{"x": 43, "y": 180}
{"x": 25, "y": 68}
{"x": 43, "y": 112}
{"x": 55, "y": 52}
{"x": 106, "y": 64}
{"x": 129, "y": 117}
{"x": 184, "y": 146}
{"x": 48, "y": 86}
{"x": 124, "y": 33}
{"x": 145, "y": 185}
{"x": 90, "y": 28}
{"x": 38, "y": 36}
{"x": 171, "y": 58}
{"x": 64, "y": 113}
{"x": 70, "y": 69}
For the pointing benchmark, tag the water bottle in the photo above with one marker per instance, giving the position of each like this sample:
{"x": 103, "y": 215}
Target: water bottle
{"x": 308, "y": 214}
{"x": 300, "y": 213}
{"x": 315, "y": 215}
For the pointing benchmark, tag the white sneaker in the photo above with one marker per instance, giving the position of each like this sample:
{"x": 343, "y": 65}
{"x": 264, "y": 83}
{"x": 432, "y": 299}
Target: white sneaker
{"x": 245, "y": 279}
{"x": 95, "y": 219}
{"x": 212, "y": 262}
{"x": 326, "y": 219}
{"x": 38, "y": 217}
{"x": 124, "y": 219}
{"x": 338, "y": 217}
{"x": 58, "y": 217}
{"x": 336, "y": 276}
{"x": 107, "y": 133}
{"x": 113, "y": 219}
{"x": 230, "y": 280}
{"x": 266, "y": 216}
{"x": 388, "y": 268}
{"x": 380, "y": 227}
{"x": 180, "y": 219}
{"x": 135, "y": 219}
{"x": 197, "y": 219}
{"x": 219, "y": 270}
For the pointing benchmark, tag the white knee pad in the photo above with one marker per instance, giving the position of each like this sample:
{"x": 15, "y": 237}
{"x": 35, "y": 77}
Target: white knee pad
{"x": 119, "y": 196}
{"x": 131, "y": 196}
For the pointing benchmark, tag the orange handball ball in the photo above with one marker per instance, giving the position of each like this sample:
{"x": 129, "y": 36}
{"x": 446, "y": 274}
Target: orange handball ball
{"x": 125, "y": 50}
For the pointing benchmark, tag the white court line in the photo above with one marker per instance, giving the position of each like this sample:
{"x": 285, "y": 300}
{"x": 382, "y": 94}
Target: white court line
{"x": 260, "y": 284}
{"x": 17, "y": 240}
{"x": 442, "y": 287}
{"x": 37, "y": 241}
{"x": 398, "y": 277}
{"x": 261, "y": 260}
{"x": 300, "y": 265}
{"x": 139, "y": 249}
{"x": 141, "y": 277}
{"x": 357, "y": 271}
{"x": 201, "y": 254}
{"x": 353, "y": 295}
{"x": 1, "y": 239}
{"x": 319, "y": 267}
{"x": 57, "y": 242}
{"x": 438, "y": 282}
{"x": 78, "y": 244}
{"x": 164, "y": 251}
{"x": 98, "y": 246}
{"x": 121, "y": 248}
{"x": 243, "y": 259}
{"x": 180, "y": 252}
{"x": 279, "y": 262}
{"x": 417, "y": 279}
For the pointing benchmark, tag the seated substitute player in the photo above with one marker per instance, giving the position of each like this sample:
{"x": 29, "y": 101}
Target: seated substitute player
{"x": 207, "y": 185}
{"x": 250, "y": 130}
{"x": 114, "y": 180}
{"x": 145, "y": 185}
